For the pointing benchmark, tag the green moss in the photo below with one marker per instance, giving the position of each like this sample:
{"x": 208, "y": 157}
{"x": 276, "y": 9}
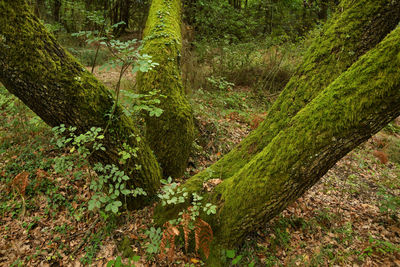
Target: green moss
{"x": 346, "y": 37}
{"x": 35, "y": 68}
{"x": 124, "y": 246}
{"x": 352, "y": 108}
{"x": 172, "y": 134}
{"x": 329, "y": 107}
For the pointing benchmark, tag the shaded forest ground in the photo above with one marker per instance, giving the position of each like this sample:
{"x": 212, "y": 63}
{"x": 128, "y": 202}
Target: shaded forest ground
{"x": 351, "y": 217}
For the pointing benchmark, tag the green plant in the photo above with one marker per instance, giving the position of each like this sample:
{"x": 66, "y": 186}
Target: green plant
{"x": 231, "y": 254}
{"x": 389, "y": 203}
{"x": 118, "y": 262}
{"x": 125, "y": 55}
{"x": 154, "y": 238}
{"x": 93, "y": 247}
{"x": 188, "y": 220}
{"x": 111, "y": 183}
{"x": 378, "y": 246}
{"x": 393, "y": 128}
{"x": 220, "y": 83}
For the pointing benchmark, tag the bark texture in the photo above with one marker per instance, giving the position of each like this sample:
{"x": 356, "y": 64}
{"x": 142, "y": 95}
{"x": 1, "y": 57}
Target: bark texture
{"x": 172, "y": 134}
{"x": 348, "y": 35}
{"x": 355, "y": 106}
{"x": 35, "y": 68}
{"x": 338, "y": 98}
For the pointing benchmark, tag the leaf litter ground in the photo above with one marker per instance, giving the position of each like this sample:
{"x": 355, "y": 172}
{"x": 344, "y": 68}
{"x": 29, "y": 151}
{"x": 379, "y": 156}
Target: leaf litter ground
{"x": 349, "y": 218}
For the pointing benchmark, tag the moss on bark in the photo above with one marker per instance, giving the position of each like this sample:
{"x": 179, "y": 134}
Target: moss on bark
{"x": 355, "y": 106}
{"x": 337, "y": 99}
{"x": 35, "y": 68}
{"x": 352, "y": 108}
{"x": 171, "y": 135}
{"x": 348, "y": 35}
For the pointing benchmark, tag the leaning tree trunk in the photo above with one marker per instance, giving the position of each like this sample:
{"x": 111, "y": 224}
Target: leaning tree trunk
{"x": 35, "y": 68}
{"x": 264, "y": 164}
{"x": 346, "y": 37}
{"x": 171, "y": 135}
{"x": 355, "y": 106}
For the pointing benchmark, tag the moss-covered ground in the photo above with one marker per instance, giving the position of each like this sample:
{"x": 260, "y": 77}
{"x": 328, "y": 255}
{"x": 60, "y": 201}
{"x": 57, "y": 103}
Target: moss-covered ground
{"x": 351, "y": 217}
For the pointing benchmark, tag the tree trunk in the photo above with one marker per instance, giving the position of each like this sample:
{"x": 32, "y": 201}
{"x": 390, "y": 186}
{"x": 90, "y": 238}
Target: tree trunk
{"x": 170, "y": 135}
{"x": 56, "y": 10}
{"x": 35, "y": 68}
{"x": 311, "y": 125}
{"x": 346, "y": 37}
{"x": 40, "y": 9}
{"x": 346, "y": 113}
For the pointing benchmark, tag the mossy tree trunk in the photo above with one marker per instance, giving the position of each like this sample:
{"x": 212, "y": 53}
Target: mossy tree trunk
{"x": 355, "y": 106}
{"x": 35, "y": 68}
{"x": 170, "y": 135}
{"x": 338, "y": 98}
{"x": 346, "y": 37}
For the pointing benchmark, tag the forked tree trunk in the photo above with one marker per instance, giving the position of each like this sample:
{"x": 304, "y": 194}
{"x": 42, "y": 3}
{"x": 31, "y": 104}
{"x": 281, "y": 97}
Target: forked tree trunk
{"x": 312, "y": 124}
{"x": 347, "y": 36}
{"x": 171, "y": 135}
{"x": 355, "y": 106}
{"x": 35, "y": 68}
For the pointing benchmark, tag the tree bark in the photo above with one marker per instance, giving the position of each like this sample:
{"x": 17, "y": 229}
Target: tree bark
{"x": 35, "y": 68}
{"x": 311, "y": 125}
{"x": 346, "y": 37}
{"x": 40, "y": 9}
{"x": 355, "y": 106}
{"x": 56, "y": 10}
{"x": 171, "y": 135}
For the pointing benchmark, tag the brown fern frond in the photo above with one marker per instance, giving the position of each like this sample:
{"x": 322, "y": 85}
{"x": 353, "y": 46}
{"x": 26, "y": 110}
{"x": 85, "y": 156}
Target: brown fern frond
{"x": 168, "y": 237}
{"x": 20, "y": 182}
{"x": 203, "y": 236}
{"x": 185, "y": 226}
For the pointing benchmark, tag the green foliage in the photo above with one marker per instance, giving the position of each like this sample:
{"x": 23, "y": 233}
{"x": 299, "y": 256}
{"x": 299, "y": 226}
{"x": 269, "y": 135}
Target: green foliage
{"x": 231, "y": 254}
{"x": 154, "y": 239}
{"x": 393, "y": 128}
{"x": 389, "y": 203}
{"x": 265, "y": 66}
{"x": 379, "y": 247}
{"x": 110, "y": 185}
{"x": 118, "y": 262}
{"x": 172, "y": 194}
{"x": 220, "y": 83}
{"x": 92, "y": 248}
{"x": 255, "y": 20}
{"x": 135, "y": 103}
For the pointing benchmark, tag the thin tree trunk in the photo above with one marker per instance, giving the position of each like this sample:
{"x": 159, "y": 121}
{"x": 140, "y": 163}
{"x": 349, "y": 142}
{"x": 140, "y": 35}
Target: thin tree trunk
{"x": 171, "y": 135}
{"x": 35, "y": 68}
{"x": 56, "y": 10}
{"x": 40, "y": 9}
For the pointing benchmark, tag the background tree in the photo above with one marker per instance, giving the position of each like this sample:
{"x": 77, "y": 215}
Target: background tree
{"x": 171, "y": 135}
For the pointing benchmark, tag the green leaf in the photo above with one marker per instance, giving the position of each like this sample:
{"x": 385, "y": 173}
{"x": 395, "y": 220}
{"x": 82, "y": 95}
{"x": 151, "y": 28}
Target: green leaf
{"x": 230, "y": 254}
{"x": 111, "y": 263}
{"x": 126, "y": 192}
{"x": 237, "y": 259}
{"x": 135, "y": 258}
{"x": 114, "y": 209}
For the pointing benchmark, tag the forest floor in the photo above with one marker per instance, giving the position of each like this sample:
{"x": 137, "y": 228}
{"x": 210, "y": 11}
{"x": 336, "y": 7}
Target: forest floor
{"x": 351, "y": 217}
